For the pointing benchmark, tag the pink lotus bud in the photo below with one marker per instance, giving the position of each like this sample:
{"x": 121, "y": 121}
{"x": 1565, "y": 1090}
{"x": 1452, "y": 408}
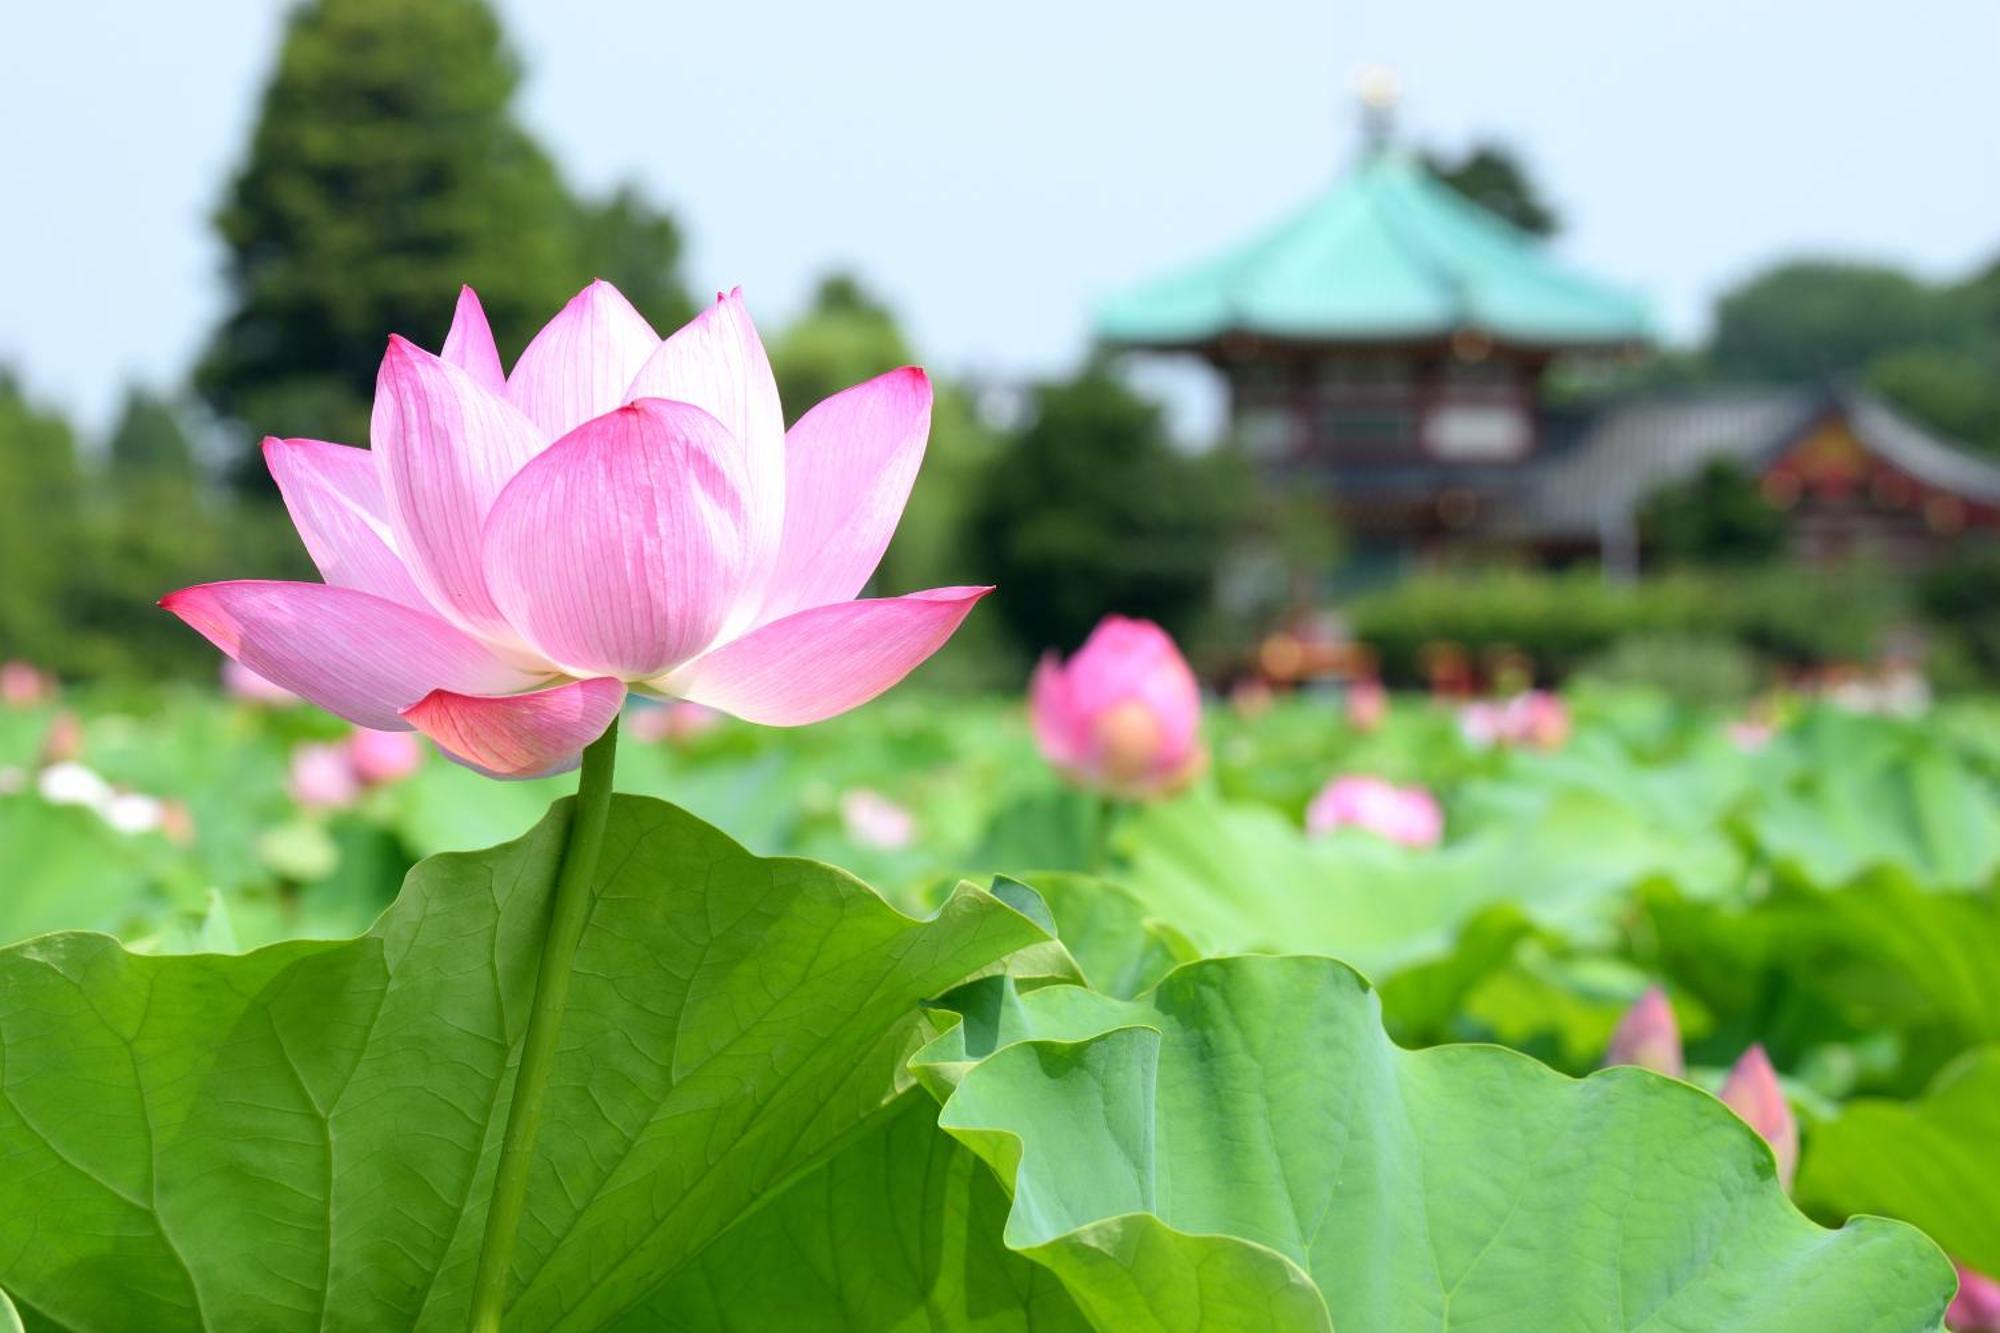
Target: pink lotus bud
{"x": 1538, "y": 719}
{"x": 1122, "y": 716}
{"x": 1648, "y": 1037}
{"x": 1976, "y": 1308}
{"x": 377, "y": 757}
{"x": 322, "y": 778}
{"x": 676, "y": 723}
{"x": 617, "y": 512}
{"x": 24, "y": 685}
{"x": 1367, "y": 705}
{"x": 1407, "y": 815}
{"x": 240, "y": 682}
{"x": 1752, "y": 1091}
{"x": 62, "y": 743}
{"x": 873, "y": 820}
{"x": 177, "y": 823}
{"x": 1483, "y": 725}
{"x": 1750, "y": 736}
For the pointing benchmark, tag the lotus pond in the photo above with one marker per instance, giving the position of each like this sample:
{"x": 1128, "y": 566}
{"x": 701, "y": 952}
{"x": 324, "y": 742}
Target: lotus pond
{"x": 1025, "y": 1059}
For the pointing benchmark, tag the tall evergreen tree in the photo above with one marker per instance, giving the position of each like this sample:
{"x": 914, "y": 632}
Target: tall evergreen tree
{"x": 385, "y": 169}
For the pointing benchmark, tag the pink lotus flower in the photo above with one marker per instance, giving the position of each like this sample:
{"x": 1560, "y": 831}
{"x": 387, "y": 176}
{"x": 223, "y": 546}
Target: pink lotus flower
{"x": 1648, "y": 1037}
{"x": 322, "y": 778}
{"x": 1976, "y": 1308}
{"x": 1122, "y": 716}
{"x": 873, "y": 820}
{"x": 1367, "y": 705}
{"x": 240, "y": 682}
{"x": 1407, "y": 815}
{"x": 379, "y": 757}
{"x": 24, "y": 685}
{"x": 619, "y": 512}
{"x": 1752, "y": 1091}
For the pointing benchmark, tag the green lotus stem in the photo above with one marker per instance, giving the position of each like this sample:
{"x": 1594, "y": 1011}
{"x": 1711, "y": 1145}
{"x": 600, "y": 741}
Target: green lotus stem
{"x": 1100, "y": 835}
{"x": 567, "y": 914}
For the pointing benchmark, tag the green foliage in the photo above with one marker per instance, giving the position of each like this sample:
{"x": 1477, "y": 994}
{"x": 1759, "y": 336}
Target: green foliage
{"x": 1716, "y": 517}
{"x": 898, "y": 1233}
{"x": 1244, "y": 1147}
{"x": 1090, "y": 509}
{"x": 1783, "y": 615}
{"x": 1492, "y": 177}
{"x": 1807, "y": 319}
{"x": 1928, "y": 1161}
{"x": 732, "y": 1023}
{"x": 1930, "y": 349}
{"x": 386, "y": 168}
{"x": 1701, "y": 668}
{"x": 1962, "y": 599}
{"x": 637, "y": 248}
{"x": 41, "y": 492}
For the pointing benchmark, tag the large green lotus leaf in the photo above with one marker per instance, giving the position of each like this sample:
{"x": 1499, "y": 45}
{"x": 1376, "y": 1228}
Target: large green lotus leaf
{"x": 1239, "y": 878}
{"x": 1878, "y": 959}
{"x": 1244, "y": 1148}
{"x": 66, "y": 869}
{"x": 900, "y": 1232}
{"x": 1919, "y": 808}
{"x": 1934, "y": 1162}
{"x": 304, "y": 1136}
{"x": 1118, "y": 948}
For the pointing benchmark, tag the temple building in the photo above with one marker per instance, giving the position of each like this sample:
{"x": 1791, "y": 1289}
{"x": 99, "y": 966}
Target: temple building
{"x": 1387, "y": 347}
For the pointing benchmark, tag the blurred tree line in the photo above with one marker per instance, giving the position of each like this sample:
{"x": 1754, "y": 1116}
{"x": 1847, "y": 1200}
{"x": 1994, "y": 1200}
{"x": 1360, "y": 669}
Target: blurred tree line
{"x": 387, "y": 166}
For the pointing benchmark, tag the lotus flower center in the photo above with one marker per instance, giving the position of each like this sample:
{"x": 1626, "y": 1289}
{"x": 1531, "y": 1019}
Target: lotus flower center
{"x": 1127, "y": 739}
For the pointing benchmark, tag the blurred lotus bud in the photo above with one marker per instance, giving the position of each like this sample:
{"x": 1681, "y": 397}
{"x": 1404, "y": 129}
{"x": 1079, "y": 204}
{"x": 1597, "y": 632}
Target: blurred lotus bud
{"x": 1123, "y": 716}
{"x": 1648, "y": 1037}
{"x": 376, "y": 757}
{"x": 62, "y": 743}
{"x": 873, "y": 820}
{"x": 1482, "y": 724}
{"x": 24, "y": 685}
{"x": 177, "y": 823}
{"x": 1976, "y": 1308}
{"x": 1250, "y": 698}
{"x": 240, "y": 682}
{"x": 1752, "y": 1091}
{"x": 70, "y": 783}
{"x": 1750, "y": 735}
{"x": 676, "y": 722}
{"x": 322, "y": 778}
{"x": 1407, "y": 815}
{"x": 1367, "y": 705}
{"x": 1538, "y": 719}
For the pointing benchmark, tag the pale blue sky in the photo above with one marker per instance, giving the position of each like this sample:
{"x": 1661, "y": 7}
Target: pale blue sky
{"x": 994, "y": 168}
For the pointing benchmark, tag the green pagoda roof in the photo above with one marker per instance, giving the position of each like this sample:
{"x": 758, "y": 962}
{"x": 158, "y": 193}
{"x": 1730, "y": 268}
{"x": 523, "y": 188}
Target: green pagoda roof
{"x": 1390, "y": 253}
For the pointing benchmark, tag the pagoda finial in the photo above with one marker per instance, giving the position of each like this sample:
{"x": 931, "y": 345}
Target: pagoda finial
{"x": 1379, "y": 91}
